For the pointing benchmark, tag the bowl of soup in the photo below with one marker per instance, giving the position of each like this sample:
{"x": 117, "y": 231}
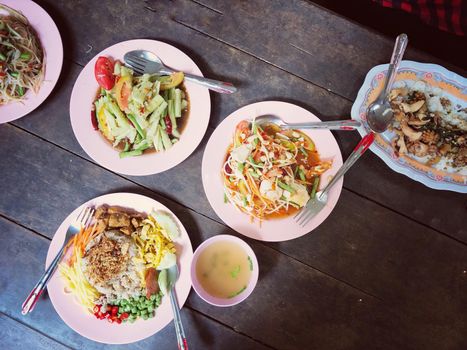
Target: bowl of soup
{"x": 224, "y": 270}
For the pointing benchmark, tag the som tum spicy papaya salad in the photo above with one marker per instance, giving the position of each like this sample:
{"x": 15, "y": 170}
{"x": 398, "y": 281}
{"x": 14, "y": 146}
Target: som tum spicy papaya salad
{"x": 270, "y": 172}
{"x": 138, "y": 113}
{"x": 117, "y": 268}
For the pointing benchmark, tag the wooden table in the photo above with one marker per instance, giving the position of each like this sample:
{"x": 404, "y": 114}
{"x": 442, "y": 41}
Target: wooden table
{"x": 386, "y": 270}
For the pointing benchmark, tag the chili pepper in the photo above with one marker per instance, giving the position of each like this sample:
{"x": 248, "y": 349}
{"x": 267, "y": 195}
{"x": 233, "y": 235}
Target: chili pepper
{"x": 168, "y": 125}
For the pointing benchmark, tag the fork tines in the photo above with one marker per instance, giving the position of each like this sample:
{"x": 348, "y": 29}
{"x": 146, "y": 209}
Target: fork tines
{"x": 304, "y": 215}
{"x": 85, "y": 216}
{"x": 136, "y": 63}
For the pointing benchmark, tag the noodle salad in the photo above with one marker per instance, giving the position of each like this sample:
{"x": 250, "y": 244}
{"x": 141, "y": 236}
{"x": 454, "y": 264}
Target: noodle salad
{"x": 270, "y": 172}
{"x": 21, "y": 57}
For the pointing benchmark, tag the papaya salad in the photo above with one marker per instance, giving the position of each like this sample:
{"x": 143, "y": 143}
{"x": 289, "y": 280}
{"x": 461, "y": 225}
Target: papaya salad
{"x": 21, "y": 57}
{"x": 117, "y": 268}
{"x": 271, "y": 172}
{"x": 138, "y": 114}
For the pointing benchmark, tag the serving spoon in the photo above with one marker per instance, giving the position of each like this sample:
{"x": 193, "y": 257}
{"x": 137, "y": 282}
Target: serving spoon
{"x": 379, "y": 116}
{"x": 142, "y": 61}
{"x": 331, "y": 125}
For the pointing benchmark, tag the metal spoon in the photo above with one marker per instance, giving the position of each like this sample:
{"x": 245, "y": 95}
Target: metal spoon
{"x": 172, "y": 276}
{"x": 379, "y": 114}
{"x": 332, "y": 125}
{"x": 142, "y": 61}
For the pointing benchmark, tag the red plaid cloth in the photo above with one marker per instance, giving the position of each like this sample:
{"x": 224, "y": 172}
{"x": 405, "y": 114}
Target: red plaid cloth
{"x": 447, "y": 15}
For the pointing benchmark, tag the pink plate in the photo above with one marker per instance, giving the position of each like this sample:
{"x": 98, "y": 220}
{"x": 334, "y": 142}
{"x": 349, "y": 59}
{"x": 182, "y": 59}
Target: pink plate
{"x": 102, "y": 331}
{"x": 272, "y": 230}
{"x": 84, "y": 93}
{"x": 51, "y": 42}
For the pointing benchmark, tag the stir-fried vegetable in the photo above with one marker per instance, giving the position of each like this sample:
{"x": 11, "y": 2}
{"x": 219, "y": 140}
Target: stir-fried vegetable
{"x": 269, "y": 171}
{"x": 141, "y": 112}
{"x": 21, "y": 57}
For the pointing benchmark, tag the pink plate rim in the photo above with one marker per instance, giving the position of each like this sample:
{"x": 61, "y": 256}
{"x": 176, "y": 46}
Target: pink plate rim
{"x": 87, "y": 325}
{"x": 274, "y": 230}
{"x": 219, "y": 301}
{"x": 51, "y": 42}
{"x": 85, "y": 90}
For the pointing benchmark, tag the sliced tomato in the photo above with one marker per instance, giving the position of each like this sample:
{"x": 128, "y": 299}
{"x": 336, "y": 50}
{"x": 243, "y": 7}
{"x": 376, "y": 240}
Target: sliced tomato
{"x": 123, "y": 91}
{"x": 104, "y": 72}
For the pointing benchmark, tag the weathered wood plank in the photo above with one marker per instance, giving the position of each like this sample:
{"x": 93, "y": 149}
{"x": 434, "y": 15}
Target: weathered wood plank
{"x": 24, "y": 253}
{"x": 374, "y": 267}
{"x": 297, "y": 36}
{"x": 15, "y": 335}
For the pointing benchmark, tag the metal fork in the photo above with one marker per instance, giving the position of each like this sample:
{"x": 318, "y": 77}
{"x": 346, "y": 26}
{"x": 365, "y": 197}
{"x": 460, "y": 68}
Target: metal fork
{"x": 142, "y": 61}
{"x": 315, "y": 205}
{"x": 82, "y": 221}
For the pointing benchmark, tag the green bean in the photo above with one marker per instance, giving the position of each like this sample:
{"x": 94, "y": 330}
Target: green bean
{"x": 2, "y": 57}
{"x": 25, "y": 56}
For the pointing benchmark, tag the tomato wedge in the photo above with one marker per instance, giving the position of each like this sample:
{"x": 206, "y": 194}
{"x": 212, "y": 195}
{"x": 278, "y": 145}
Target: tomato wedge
{"x": 104, "y": 72}
{"x": 123, "y": 91}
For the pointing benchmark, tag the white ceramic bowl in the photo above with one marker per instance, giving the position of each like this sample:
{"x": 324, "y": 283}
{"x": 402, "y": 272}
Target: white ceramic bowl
{"x": 221, "y": 301}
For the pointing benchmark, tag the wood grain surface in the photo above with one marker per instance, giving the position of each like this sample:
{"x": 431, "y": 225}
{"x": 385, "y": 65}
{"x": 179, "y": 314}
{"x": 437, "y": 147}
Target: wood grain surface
{"x": 386, "y": 270}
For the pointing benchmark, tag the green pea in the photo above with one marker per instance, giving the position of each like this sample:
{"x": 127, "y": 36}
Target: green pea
{"x": 152, "y": 314}
{"x": 132, "y": 320}
{"x": 153, "y": 297}
{"x": 126, "y": 308}
{"x": 134, "y": 310}
{"x": 150, "y": 308}
{"x": 145, "y": 317}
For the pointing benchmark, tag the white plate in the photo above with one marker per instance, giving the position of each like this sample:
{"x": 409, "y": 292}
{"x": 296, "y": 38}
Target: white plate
{"x": 51, "y": 42}
{"x": 272, "y": 230}
{"x": 452, "y": 84}
{"x": 77, "y": 318}
{"x": 93, "y": 143}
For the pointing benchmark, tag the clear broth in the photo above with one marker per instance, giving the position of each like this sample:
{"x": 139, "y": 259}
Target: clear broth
{"x": 224, "y": 269}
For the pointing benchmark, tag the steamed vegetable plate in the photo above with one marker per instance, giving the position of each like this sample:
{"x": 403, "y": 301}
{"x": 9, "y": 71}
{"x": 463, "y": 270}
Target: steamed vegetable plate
{"x": 117, "y": 269}
{"x": 270, "y": 172}
{"x": 138, "y": 113}
{"x": 21, "y": 57}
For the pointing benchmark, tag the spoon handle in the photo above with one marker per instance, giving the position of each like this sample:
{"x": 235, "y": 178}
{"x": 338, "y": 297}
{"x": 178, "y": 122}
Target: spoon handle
{"x": 179, "y": 330}
{"x": 362, "y": 146}
{"x": 215, "y": 85}
{"x": 399, "y": 49}
{"x": 331, "y": 125}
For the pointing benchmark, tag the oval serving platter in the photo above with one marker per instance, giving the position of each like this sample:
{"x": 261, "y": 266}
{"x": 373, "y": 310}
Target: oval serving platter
{"x": 452, "y": 85}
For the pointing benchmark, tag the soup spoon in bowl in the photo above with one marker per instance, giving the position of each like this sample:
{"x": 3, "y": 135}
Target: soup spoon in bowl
{"x": 331, "y": 125}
